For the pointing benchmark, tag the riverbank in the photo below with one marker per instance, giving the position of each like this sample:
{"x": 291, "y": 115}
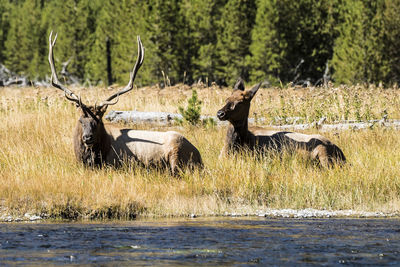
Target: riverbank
{"x": 270, "y": 213}
{"x": 40, "y": 175}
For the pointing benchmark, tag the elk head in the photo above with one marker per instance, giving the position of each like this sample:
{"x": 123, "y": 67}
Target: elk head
{"x": 90, "y": 121}
{"x": 91, "y": 124}
{"x": 237, "y": 106}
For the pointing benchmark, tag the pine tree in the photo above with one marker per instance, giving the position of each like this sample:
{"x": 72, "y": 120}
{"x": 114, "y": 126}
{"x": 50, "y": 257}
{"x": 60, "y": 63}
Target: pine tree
{"x": 391, "y": 17}
{"x": 120, "y": 43}
{"x": 99, "y": 65}
{"x": 382, "y": 41}
{"x": 22, "y": 38}
{"x": 234, "y": 39}
{"x": 192, "y": 113}
{"x": 39, "y": 66}
{"x": 292, "y": 41}
{"x": 70, "y": 19}
{"x": 124, "y": 51}
{"x": 202, "y": 17}
{"x": 114, "y": 51}
{"x": 165, "y": 30}
{"x": 268, "y": 46}
{"x": 313, "y": 35}
{"x": 375, "y": 64}
{"x": 349, "y": 56}
{"x": 5, "y": 9}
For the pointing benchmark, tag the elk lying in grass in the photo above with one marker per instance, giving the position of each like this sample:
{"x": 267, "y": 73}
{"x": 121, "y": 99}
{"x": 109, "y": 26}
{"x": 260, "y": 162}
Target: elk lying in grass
{"x": 240, "y": 136}
{"x": 96, "y": 144}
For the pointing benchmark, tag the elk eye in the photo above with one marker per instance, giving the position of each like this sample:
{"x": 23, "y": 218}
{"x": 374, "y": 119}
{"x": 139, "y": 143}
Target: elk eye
{"x": 233, "y": 105}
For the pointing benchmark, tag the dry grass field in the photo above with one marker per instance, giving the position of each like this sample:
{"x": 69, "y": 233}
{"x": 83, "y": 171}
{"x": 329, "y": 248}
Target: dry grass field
{"x": 39, "y": 173}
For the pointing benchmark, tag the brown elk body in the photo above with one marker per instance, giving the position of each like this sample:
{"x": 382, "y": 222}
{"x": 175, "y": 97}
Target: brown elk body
{"x": 96, "y": 143}
{"x": 241, "y": 136}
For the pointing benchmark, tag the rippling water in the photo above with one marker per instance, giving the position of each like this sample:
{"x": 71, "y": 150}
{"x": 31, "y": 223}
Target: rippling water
{"x": 206, "y": 241}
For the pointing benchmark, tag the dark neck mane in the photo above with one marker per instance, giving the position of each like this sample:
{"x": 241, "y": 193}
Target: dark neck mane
{"x": 96, "y": 155}
{"x": 238, "y": 135}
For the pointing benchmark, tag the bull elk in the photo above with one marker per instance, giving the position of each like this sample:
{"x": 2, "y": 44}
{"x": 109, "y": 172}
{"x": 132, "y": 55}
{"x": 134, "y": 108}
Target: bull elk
{"x": 240, "y": 136}
{"x": 96, "y": 144}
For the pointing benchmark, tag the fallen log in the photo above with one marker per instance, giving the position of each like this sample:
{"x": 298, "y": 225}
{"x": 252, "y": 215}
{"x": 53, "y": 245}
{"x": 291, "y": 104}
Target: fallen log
{"x": 166, "y": 119}
{"x": 160, "y": 118}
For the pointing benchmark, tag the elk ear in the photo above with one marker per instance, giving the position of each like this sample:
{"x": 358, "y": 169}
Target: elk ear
{"x": 253, "y": 91}
{"x": 239, "y": 85}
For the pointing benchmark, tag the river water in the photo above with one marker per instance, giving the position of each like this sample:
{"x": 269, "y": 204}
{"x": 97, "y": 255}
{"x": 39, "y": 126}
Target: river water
{"x": 203, "y": 241}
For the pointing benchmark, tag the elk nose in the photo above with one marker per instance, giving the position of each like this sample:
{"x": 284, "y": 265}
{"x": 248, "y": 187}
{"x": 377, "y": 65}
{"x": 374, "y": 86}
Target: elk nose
{"x": 220, "y": 114}
{"x": 86, "y": 138}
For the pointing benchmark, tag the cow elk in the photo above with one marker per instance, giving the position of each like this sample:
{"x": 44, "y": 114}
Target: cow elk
{"x": 240, "y": 136}
{"x": 96, "y": 144}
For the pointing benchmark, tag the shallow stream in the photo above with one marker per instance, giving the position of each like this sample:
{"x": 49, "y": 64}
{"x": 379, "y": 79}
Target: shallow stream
{"x": 206, "y": 241}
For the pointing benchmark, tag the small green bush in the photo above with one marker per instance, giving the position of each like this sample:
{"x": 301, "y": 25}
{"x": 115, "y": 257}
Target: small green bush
{"x": 191, "y": 114}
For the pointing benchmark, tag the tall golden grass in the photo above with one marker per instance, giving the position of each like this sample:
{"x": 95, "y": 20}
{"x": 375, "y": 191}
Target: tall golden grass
{"x": 39, "y": 173}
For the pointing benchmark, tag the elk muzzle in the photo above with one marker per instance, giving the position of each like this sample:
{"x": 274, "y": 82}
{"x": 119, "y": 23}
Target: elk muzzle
{"x": 221, "y": 114}
{"x": 88, "y": 131}
{"x": 88, "y": 139}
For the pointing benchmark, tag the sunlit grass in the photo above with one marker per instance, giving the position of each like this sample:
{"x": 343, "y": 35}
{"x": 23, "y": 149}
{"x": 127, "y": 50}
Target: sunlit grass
{"x": 39, "y": 173}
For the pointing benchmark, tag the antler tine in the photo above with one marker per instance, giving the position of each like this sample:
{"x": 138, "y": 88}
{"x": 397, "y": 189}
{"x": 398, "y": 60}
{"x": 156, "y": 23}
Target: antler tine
{"x": 138, "y": 64}
{"x": 54, "y": 79}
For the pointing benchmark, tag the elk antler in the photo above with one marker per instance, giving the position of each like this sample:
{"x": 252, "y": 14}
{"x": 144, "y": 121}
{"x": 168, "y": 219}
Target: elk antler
{"x": 54, "y": 79}
{"x": 138, "y": 64}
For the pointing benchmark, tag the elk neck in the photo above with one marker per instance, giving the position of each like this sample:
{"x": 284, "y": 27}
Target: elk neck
{"x": 238, "y": 134}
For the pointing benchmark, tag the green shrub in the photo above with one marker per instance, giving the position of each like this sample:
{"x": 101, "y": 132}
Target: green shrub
{"x": 191, "y": 114}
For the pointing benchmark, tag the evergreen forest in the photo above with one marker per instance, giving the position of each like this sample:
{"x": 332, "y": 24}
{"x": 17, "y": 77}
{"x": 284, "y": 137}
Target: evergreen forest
{"x": 275, "y": 41}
